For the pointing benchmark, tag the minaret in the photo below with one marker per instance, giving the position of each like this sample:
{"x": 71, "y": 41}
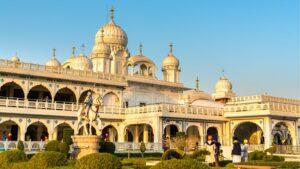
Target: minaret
{"x": 101, "y": 56}
{"x": 170, "y": 69}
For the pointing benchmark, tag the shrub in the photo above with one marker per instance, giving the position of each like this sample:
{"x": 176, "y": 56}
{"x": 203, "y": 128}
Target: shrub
{"x": 107, "y": 147}
{"x": 52, "y": 146}
{"x": 143, "y": 148}
{"x": 20, "y": 165}
{"x": 98, "y": 161}
{"x": 172, "y": 153}
{"x": 136, "y": 163}
{"x": 180, "y": 140}
{"x": 256, "y": 155}
{"x": 273, "y": 158}
{"x": 200, "y": 154}
{"x": 63, "y": 148}
{"x": 20, "y": 145}
{"x": 67, "y": 133}
{"x": 181, "y": 164}
{"x": 48, "y": 159}
{"x": 224, "y": 163}
{"x": 271, "y": 150}
{"x": 7, "y": 158}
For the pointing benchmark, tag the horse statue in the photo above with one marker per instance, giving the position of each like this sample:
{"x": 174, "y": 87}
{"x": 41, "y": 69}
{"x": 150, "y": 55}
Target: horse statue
{"x": 89, "y": 112}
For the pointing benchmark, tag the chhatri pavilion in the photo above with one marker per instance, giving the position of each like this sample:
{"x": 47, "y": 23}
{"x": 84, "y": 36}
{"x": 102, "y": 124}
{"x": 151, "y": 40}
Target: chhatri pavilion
{"x": 39, "y": 101}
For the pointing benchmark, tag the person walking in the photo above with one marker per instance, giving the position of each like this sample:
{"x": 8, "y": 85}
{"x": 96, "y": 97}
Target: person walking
{"x": 211, "y": 148}
{"x": 4, "y": 136}
{"x": 245, "y": 148}
{"x": 9, "y": 137}
{"x": 217, "y": 152}
{"x": 236, "y": 151}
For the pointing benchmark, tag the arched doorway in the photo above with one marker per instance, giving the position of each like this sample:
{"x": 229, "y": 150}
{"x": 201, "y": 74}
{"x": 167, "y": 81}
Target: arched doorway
{"x": 170, "y": 131}
{"x": 94, "y": 132}
{"x": 12, "y": 90}
{"x": 193, "y": 136}
{"x": 110, "y": 133}
{"x": 65, "y": 95}
{"x": 83, "y": 95}
{"x": 146, "y": 134}
{"x": 10, "y": 130}
{"x": 60, "y": 130}
{"x": 128, "y": 135}
{"x": 281, "y": 134}
{"x": 111, "y": 99}
{"x": 249, "y": 131}
{"x": 36, "y": 132}
{"x": 39, "y": 92}
{"x": 213, "y": 131}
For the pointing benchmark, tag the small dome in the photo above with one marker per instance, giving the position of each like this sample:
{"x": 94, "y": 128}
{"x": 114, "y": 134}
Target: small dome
{"x": 171, "y": 61}
{"x": 139, "y": 59}
{"x": 82, "y": 63}
{"x": 101, "y": 47}
{"x": 53, "y": 62}
{"x": 113, "y": 34}
{"x": 223, "y": 85}
{"x": 15, "y": 59}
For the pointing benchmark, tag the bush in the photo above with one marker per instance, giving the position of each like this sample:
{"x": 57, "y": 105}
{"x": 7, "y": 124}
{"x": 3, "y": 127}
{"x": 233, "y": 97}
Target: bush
{"x": 180, "y": 140}
{"x": 200, "y": 154}
{"x": 107, "y": 147}
{"x": 7, "y": 158}
{"x": 20, "y": 165}
{"x": 48, "y": 159}
{"x": 256, "y": 155}
{"x": 52, "y": 146}
{"x": 63, "y": 148}
{"x": 67, "y": 133}
{"x": 98, "y": 161}
{"x": 172, "y": 153}
{"x": 224, "y": 163}
{"x": 136, "y": 163}
{"x": 273, "y": 158}
{"x": 180, "y": 164}
{"x": 271, "y": 150}
{"x": 289, "y": 165}
{"x": 20, "y": 145}
{"x": 143, "y": 148}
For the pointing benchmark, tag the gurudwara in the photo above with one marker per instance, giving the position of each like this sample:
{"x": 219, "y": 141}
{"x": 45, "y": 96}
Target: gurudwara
{"x": 39, "y": 101}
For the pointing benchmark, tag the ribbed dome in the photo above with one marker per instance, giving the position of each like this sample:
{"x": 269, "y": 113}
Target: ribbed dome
{"x": 101, "y": 48}
{"x": 223, "y": 85}
{"x": 171, "y": 60}
{"x": 113, "y": 34}
{"x": 15, "y": 59}
{"x": 53, "y": 62}
{"x": 82, "y": 63}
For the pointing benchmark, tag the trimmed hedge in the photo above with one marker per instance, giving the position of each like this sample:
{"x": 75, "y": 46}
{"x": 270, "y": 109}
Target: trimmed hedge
{"x": 63, "y": 148}
{"x": 107, "y": 147}
{"x": 289, "y": 165}
{"x": 200, "y": 154}
{"x": 7, "y": 158}
{"x": 67, "y": 133}
{"x": 20, "y": 145}
{"x": 273, "y": 158}
{"x": 136, "y": 163}
{"x": 180, "y": 164}
{"x": 256, "y": 155}
{"x": 98, "y": 161}
{"x": 52, "y": 146}
{"x": 172, "y": 153}
{"x": 48, "y": 159}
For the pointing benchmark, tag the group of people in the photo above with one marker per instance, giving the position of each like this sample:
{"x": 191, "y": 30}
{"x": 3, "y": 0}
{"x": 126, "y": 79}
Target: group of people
{"x": 6, "y": 137}
{"x": 239, "y": 151}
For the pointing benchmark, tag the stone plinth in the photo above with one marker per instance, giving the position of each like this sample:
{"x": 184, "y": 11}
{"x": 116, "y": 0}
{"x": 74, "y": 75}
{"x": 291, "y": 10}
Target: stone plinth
{"x": 84, "y": 145}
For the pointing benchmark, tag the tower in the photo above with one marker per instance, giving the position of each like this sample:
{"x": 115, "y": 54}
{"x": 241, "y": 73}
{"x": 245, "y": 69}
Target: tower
{"x": 170, "y": 69}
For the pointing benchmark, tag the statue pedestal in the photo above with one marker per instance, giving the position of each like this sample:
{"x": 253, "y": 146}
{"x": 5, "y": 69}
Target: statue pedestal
{"x": 84, "y": 145}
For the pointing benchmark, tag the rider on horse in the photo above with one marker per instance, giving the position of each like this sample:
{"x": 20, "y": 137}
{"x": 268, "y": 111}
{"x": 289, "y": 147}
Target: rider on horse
{"x": 88, "y": 102}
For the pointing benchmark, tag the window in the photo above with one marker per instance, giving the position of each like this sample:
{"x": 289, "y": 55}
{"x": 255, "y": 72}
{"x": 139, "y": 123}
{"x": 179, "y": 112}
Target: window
{"x": 142, "y": 104}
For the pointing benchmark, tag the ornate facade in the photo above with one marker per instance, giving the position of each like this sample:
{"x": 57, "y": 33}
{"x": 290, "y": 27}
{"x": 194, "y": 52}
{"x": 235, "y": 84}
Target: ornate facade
{"x": 39, "y": 101}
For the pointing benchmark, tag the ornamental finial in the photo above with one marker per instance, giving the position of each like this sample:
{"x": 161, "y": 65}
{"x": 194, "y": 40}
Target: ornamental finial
{"x": 73, "y": 51}
{"x": 53, "y": 53}
{"x": 102, "y": 34}
{"x": 197, "y": 84}
{"x": 112, "y": 10}
{"x": 141, "y": 48}
{"x": 171, "y": 47}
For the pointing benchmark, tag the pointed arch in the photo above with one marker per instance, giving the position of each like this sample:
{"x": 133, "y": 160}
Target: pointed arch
{"x": 39, "y": 92}
{"x": 65, "y": 94}
{"x": 12, "y": 90}
{"x": 111, "y": 99}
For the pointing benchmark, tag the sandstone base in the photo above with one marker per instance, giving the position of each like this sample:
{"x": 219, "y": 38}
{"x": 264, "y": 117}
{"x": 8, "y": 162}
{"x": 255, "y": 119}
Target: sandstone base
{"x": 84, "y": 145}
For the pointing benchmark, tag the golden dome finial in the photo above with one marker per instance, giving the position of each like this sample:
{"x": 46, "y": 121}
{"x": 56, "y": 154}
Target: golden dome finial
{"x": 112, "y": 10}
{"x": 53, "y": 53}
{"x": 197, "y": 84}
{"x": 223, "y": 72}
{"x": 171, "y": 47}
{"x": 102, "y": 35}
{"x": 73, "y": 51}
{"x": 141, "y": 48}
{"x": 83, "y": 48}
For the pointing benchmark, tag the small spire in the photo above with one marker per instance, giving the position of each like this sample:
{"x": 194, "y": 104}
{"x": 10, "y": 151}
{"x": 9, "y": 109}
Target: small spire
{"x": 171, "y": 47}
{"x": 141, "y": 48}
{"x": 112, "y": 10}
{"x": 223, "y": 73}
{"x": 102, "y": 35}
{"x": 53, "y": 53}
{"x": 73, "y": 51}
{"x": 197, "y": 84}
{"x": 83, "y": 48}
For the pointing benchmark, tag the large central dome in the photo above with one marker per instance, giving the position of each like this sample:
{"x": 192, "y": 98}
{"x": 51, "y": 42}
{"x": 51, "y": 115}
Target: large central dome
{"x": 113, "y": 34}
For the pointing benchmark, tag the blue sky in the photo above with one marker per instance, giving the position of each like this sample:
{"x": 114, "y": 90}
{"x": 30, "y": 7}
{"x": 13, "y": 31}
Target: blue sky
{"x": 255, "y": 41}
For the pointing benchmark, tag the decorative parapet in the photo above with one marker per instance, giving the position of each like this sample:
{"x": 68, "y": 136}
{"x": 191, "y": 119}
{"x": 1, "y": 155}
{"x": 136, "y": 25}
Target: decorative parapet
{"x": 68, "y": 74}
{"x": 262, "y": 98}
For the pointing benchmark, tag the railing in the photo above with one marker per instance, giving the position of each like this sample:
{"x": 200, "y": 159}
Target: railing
{"x": 262, "y": 98}
{"x": 175, "y": 108}
{"x": 43, "y": 68}
{"x": 287, "y": 149}
{"x": 35, "y": 146}
{"x": 259, "y": 147}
